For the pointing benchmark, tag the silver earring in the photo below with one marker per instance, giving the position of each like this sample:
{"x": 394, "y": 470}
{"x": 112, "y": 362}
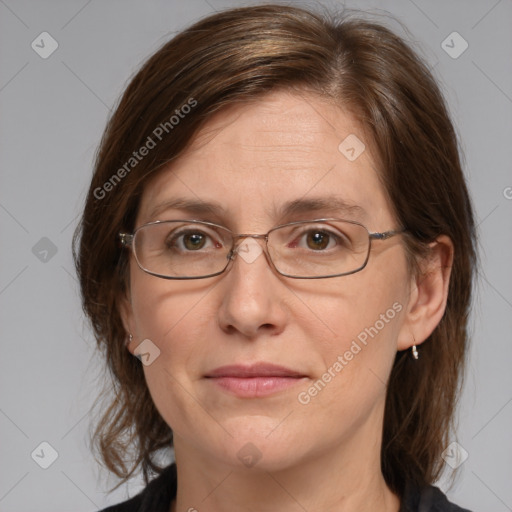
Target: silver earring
{"x": 415, "y": 354}
{"x": 129, "y": 340}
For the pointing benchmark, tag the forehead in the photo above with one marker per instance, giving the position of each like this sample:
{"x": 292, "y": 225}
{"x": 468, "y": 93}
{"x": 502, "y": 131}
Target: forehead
{"x": 283, "y": 129}
{"x": 284, "y": 147}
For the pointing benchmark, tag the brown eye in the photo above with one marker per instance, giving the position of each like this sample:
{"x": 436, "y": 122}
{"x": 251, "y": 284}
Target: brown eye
{"x": 317, "y": 240}
{"x": 191, "y": 240}
{"x": 194, "y": 241}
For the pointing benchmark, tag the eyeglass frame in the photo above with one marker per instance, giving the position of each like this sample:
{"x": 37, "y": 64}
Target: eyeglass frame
{"x": 127, "y": 240}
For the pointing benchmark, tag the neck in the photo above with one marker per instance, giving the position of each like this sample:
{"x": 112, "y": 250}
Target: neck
{"x": 345, "y": 478}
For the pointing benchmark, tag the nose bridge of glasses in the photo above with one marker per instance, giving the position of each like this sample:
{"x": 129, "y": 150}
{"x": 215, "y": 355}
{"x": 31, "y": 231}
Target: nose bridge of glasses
{"x": 244, "y": 246}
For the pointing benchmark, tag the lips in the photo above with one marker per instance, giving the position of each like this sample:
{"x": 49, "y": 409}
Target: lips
{"x": 256, "y": 380}
{"x": 254, "y": 370}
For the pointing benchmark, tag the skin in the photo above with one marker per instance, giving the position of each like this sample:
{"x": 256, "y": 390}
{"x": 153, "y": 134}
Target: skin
{"x": 323, "y": 455}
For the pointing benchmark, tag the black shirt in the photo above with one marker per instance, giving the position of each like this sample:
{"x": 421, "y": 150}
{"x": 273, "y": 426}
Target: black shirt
{"x": 159, "y": 493}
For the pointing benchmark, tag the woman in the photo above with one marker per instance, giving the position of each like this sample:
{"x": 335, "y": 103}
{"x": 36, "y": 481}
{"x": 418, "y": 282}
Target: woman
{"x": 278, "y": 227}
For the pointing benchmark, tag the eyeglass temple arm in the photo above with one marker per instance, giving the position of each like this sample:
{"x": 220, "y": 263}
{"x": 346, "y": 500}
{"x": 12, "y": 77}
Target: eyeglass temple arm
{"x": 386, "y": 234}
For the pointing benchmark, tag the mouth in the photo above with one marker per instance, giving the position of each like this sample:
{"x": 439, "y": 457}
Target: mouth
{"x": 256, "y": 380}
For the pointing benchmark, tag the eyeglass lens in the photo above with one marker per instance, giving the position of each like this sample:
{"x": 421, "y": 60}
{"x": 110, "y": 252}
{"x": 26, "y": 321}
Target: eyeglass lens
{"x": 306, "y": 249}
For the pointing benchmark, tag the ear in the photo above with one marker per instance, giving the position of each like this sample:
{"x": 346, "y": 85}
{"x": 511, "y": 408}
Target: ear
{"x": 428, "y": 294}
{"x": 126, "y": 313}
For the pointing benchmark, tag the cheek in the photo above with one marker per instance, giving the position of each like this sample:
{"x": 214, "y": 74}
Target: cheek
{"x": 356, "y": 306}
{"x": 171, "y": 314}
{"x": 359, "y": 317}
{"x": 353, "y": 367}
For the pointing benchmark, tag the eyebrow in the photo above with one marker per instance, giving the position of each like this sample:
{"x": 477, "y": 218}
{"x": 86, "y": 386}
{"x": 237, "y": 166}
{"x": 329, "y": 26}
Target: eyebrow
{"x": 194, "y": 206}
{"x": 330, "y": 204}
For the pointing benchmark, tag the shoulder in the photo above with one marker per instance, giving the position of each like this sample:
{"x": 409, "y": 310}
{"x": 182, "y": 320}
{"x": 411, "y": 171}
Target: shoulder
{"x": 155, "y": 497}
{"x": 427, "y": 499}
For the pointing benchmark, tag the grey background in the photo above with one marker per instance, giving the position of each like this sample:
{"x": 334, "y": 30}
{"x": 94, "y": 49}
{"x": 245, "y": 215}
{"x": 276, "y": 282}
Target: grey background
{"x": 53, "y": 112}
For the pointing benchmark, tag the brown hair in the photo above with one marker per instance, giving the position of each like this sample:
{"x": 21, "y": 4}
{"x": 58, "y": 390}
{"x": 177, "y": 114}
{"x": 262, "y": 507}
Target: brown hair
{"x": 237, "y": 56}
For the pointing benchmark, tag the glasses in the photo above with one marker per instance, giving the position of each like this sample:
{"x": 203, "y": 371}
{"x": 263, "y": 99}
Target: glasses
{"x": 193, "y": 249}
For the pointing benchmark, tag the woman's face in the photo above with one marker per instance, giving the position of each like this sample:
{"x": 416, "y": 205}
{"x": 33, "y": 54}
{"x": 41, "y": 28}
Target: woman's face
{"x": 337, "y": 336}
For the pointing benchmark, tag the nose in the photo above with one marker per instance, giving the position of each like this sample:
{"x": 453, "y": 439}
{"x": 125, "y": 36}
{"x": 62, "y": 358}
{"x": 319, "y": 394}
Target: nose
{"x": 252, "y": 292}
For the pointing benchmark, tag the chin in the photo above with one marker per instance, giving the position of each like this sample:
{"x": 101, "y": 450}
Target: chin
{"x": 257, "y": 444}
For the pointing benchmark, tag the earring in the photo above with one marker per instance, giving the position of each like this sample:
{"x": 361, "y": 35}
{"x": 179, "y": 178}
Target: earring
{"x": 129, "y": 340}
{"x": 415, "y": 354}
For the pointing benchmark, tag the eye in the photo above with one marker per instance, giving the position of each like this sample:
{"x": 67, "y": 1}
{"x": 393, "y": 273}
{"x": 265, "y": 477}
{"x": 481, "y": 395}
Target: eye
{"x": 319, "y": 239}
{"x": 191, "y": 240}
